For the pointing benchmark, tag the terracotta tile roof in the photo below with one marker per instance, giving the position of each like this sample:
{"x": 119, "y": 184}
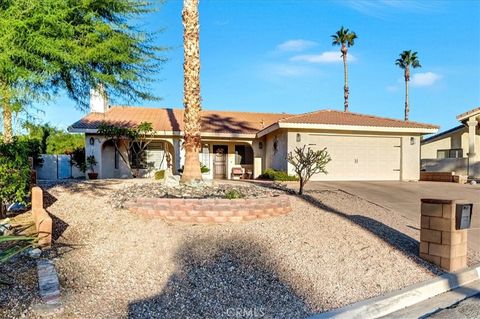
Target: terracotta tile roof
{"x": 164, "y": 119}
{"x": 332, "y": 117}
{"x": 464, "y": 115}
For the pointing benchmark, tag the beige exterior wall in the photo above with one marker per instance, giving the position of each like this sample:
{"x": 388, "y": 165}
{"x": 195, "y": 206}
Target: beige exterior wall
{"x": 407, "y": 158}
{"x": 457, "y": 139}
{"x": 410, "y": 158}
{"x": 276, "y": 159}
{"x": 104, "y": 153}
{"x": 265, "y": 156}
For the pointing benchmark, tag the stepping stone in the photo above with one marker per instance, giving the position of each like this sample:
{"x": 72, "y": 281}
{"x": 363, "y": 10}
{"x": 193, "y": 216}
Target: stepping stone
{"x": 49, "y": 288}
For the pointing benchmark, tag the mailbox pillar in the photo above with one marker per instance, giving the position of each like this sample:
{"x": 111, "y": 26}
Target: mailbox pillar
{"x": 441, "y": 242}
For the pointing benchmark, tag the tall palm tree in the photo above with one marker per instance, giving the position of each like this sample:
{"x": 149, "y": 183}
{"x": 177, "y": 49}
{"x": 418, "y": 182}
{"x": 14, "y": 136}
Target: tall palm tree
{"x": 407, "y": 59}
{"x": 191, "y": 91}
{"x": 345, "y": 38}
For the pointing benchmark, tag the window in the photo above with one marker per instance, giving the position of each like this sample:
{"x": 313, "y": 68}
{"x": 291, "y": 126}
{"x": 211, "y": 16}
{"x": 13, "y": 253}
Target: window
{"x": 135, "y": 158}
{"x": 205, "y": 155}
{"x": 453, "y": 153}
{"x": 243, "y": 155}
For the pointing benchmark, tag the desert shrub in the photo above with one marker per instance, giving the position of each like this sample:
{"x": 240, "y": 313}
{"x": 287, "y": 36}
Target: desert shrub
{"x": 274, "y": 175}
{"x": 307, "y": 162}
{"x": 160, "y": 174}
{"x": 234, "y": 194}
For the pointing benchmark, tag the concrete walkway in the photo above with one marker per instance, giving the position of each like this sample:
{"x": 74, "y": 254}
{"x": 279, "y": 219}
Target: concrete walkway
{"x": 404, "y": 198}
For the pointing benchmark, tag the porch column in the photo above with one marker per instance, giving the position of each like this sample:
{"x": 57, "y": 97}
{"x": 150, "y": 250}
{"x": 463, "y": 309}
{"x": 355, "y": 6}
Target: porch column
{"x": 472, "y": 131}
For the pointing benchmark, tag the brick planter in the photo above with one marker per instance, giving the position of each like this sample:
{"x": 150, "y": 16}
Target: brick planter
{"x": 212, "y": 211}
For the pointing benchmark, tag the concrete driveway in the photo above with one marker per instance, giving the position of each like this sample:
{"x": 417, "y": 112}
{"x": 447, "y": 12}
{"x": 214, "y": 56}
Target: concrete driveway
{"x": 404, "y": 198}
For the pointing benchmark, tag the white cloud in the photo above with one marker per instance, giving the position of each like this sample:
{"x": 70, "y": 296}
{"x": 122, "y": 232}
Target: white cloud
{"x": 324, "y": 57}
{"x": 296, "y": 45}
{"x": 424, "y": 79}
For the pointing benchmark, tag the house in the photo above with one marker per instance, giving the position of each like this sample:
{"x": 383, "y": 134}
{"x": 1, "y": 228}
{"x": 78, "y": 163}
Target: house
{"x": 455, "y": 150}
{"x": 362, "y": 147}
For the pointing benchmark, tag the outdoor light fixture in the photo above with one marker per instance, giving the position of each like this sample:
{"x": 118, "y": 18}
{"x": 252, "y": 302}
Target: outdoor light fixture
{"x": 412, "y": 140}
{"x": 92, "y": 141}
{"x": 299, "y": 138}
{"x": 260, "y": 145}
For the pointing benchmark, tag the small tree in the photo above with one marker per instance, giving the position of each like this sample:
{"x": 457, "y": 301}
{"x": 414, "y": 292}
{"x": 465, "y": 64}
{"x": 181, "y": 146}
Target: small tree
{"x": 307, "y": 162}
{"x": 14, "y": 174}
{"x": 135, "y": 140}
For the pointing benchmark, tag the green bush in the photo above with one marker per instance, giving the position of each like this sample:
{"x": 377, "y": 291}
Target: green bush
{"x": 77, "y": 158}
{"x": 15, "y": 170}
{"x": 274, "y": 175}
{"x": 234, "y": 194}
{"x": 204, "y": 169}
{"x": 160, "y": 174}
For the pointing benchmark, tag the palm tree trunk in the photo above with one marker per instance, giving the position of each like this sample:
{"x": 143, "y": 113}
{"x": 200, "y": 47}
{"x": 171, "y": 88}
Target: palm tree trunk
{"x": 345, "y": 76}
{"x": 407, "y": 107}
{"x": 191, "y": 99}
{"x": 7, "y": 115}
{"x": 7, "y": 124}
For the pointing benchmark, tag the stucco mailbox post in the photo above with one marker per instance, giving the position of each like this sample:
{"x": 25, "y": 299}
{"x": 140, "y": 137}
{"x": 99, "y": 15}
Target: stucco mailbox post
{"x": 443, "y": 234}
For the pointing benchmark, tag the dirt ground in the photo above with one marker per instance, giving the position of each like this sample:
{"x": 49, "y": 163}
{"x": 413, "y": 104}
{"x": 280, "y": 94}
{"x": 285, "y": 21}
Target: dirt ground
{"x": 332, "y": 250}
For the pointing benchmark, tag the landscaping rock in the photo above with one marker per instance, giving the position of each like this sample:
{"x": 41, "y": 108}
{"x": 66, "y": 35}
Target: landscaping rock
{"x": 172, "y": 181}
{"x": 34, "y": 252}
{"x": 112, "y": 264}
{"x": 202, "y": 189}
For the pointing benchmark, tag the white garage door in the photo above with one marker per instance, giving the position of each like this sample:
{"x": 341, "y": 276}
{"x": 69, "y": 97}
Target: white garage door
{"x": 359, "y": 157}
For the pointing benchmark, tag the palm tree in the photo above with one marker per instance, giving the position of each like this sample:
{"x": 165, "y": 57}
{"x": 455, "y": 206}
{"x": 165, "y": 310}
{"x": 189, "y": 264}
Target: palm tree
{"x": 407, "y": 59}
{"x": 191, "y": 91}
{"x": 345, "y": 38}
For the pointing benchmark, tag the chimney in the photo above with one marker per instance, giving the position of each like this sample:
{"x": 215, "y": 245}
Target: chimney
{"x": 98, "y": 100}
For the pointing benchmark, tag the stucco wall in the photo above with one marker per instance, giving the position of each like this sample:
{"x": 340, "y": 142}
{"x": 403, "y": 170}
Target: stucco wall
{"x": 457, "y": 165}
{"x": 55, "y": 167}
{"x": 276, "y": 159}
{"x": 410, "y": 158}
{"x": 458, "y": 139}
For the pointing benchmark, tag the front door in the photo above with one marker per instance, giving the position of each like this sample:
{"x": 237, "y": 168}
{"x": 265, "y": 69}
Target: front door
{"x": 220, "y": 161}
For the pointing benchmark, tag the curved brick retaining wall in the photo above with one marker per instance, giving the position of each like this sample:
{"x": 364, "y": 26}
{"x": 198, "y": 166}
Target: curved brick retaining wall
{"x": 211, "y": 210}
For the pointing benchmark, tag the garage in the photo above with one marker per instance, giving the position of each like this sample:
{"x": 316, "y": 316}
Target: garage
{"x": 359, "y": 157}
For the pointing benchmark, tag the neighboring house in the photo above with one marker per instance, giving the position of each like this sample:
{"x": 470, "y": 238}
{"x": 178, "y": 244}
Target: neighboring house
{"x": 456, "y": 150}
{"x": 362, "y": 147}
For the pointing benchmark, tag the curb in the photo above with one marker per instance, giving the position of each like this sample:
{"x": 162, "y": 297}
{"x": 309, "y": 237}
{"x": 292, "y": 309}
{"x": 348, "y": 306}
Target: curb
{"x": 400, "y": 299}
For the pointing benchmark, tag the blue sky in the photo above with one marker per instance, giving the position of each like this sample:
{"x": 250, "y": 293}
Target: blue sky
{"x": 276, "y": 56}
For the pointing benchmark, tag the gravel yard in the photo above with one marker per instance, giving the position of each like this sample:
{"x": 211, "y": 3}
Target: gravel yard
{"x": 321, "y": 256}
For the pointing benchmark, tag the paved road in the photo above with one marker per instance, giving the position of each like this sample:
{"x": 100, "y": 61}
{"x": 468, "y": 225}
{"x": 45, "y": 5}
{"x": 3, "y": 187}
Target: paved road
{"x": 404, "y": 198}
{"x": 466, "y": 309}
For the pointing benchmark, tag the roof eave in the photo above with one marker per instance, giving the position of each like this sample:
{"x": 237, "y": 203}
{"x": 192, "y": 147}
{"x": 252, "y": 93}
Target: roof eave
{"x": 415, "y": 130}
{"x": 171, "y": 133}
{"x": 465, "y": 116}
